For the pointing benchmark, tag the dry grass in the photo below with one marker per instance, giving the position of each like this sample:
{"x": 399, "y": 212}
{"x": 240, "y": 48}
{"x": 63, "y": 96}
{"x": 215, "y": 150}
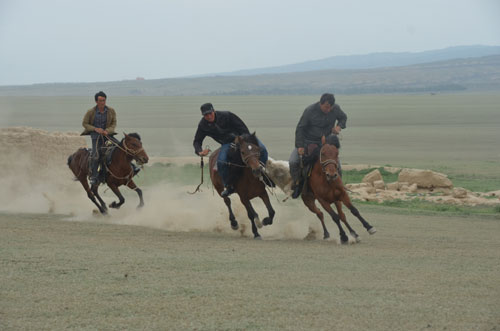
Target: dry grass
{"x": 417, "y": 272}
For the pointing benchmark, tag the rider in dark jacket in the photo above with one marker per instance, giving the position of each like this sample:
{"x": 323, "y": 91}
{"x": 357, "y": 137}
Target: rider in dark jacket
{"x": 319, "y": 119}
{"x": 223, "y": 127}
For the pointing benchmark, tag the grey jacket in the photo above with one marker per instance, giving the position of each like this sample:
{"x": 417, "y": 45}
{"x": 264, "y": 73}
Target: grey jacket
{"x": 314, "y": 124}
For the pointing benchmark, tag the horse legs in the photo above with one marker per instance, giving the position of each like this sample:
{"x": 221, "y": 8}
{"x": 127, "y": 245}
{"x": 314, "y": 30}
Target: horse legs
{"x": 116, "y": 191}
{"x": 338, "y": 205}
{"x": 96, "y": 193}
{"x": 268, "y": 220}
{"x": 134, "y": 187}
{"x": 252, "y": 215}
{"x": 102, "y": 207}
{"x": 309, "y": 202}
{"x": 336, "y": 219}
{"x": 347, "y": 202}
{"x": 232, "y": 219}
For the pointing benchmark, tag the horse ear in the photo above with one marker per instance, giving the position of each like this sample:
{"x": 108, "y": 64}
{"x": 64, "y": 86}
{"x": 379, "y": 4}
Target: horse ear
{"x": 126, "y": 135}
{"x": 323, "y": 140}
{"x": 237, "y": 140}
{"x": 253, "y": 134}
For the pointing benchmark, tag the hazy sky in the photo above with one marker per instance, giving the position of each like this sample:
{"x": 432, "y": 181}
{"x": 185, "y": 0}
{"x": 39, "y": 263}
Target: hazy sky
{"x": 99, "y": 40}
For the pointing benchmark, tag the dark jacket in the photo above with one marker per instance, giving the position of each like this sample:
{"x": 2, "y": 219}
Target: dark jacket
{"x": 223, "y": 129}
{"x": 88, "y": 121}
{"x": 314, "y": 124}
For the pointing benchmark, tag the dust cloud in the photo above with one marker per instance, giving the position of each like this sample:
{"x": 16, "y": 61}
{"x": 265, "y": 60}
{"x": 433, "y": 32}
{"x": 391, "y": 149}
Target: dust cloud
{"x": 36, "y": 179}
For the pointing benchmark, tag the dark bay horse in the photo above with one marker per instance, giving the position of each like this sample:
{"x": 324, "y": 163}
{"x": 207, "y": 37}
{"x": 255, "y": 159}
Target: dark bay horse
{"x": 245, "y": 162}
{"x": 325, "y": 185}
{"x": 118, "y": 173}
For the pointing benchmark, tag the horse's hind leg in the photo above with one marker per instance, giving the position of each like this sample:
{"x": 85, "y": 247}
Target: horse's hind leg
{"x": 336, "y": 219}
{"x": 102, "y": 207}
{"x": 232, "y": 219}
{"x": 347, "y": 202}
{"x": 309, "y": 202}
{"x": 96, "y": 193}
{"x": 116, "y": 191}
{"x": 252, "y": 215}
{"x": 353, "y": 233}
{"x": 134, "y": 187}
{"x": 268, "y": 220}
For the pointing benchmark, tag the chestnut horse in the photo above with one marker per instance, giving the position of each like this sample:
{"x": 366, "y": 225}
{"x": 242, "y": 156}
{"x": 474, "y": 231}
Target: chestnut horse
{"x": 325, "y": 185}
{"x": 118, "y": 173}
{"x": 245, "y": 163}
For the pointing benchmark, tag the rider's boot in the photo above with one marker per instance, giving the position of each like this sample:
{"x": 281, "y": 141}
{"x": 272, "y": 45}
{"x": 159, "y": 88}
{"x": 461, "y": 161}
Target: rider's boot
{"x": 136, "y": 168}
{"x": 228, "y": 190}
{"x": 94, "y": 174}
{"x": 297, "y": 188}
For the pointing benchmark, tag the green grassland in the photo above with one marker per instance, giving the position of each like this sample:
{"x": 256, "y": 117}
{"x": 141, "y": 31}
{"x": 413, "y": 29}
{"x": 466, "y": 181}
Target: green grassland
{"x": 456, "y": 134}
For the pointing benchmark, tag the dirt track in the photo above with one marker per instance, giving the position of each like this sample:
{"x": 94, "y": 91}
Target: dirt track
{"x": 417, "y": 272}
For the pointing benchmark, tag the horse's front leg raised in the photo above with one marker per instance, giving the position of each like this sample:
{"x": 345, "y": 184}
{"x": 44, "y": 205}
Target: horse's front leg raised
{"x": 268, "y": 220}
{"x": 336, "y": 219}
{"x": 338, "y": 205}
{"x": 116, "y": 191}
{"x": 252, "y": 215}
{"x": 134, "y": 187}
{"x": 347, "y": 202}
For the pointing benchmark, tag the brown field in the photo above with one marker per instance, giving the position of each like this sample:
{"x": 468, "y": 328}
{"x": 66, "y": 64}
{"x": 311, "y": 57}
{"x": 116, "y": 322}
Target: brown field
{"x": 415, "y": 273}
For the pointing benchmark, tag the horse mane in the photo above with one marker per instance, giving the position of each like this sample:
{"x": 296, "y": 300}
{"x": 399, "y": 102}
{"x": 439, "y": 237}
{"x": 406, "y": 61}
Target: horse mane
{"x": 134, "y": 135}
{"x": 333, "y": 139}
{"x": 250, "y": 138}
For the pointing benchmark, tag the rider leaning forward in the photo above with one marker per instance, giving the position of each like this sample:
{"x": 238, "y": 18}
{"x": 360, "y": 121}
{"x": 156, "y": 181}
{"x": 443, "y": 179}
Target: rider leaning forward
{"x": 223, "y": 127}
{"x": 319, "y": 119}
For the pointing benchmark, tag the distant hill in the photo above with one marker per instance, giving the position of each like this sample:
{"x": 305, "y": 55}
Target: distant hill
{"x": 467, "y": 74}
{"x": 375, "y": 60}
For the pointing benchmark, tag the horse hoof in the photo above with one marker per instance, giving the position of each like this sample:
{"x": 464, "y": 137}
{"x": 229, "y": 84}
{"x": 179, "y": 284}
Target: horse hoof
{"x": 267, "y": 221}
{"x": 140, "y": 206}
{"x": 372, "y": 230}
{"x": 344, "y": 241}
{"x": 257, "y": 238}
{"x": 358, "y": 240}
{"x": 326, "y": 236}
{"x": 258, "y": 222}
{"x": 235, "y": 226}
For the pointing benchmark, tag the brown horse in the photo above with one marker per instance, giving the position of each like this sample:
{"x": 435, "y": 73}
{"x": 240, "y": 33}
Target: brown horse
{"x": 118, "y": 173}
{"x": 247, "y": 185}
{"x": 325, "y": 185}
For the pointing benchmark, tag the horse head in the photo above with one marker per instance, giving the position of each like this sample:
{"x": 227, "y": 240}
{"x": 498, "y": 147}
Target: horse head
{"x": 329, "y": 159}
{"x": 133, "y": 146}
{"x": 250, "y": 152}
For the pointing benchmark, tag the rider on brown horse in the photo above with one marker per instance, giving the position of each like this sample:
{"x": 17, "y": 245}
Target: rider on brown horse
{"x": 100, "y": 122}
{"x": 223, "y": 127}
{"x": 319, "y": 119}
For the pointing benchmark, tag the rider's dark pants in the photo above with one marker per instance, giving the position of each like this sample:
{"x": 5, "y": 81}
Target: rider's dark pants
{"x": 97, "y": 143}
{"x": 222, "y": 162}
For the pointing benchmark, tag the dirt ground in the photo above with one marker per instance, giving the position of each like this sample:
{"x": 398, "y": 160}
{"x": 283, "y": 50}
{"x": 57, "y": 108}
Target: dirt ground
{"x": 415, "y": 273}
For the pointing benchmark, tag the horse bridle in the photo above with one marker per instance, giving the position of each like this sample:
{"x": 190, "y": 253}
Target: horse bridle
{"x": 130, "y": 151}
{"x": 326, "y": 162}
{"x": 245, "y": 158}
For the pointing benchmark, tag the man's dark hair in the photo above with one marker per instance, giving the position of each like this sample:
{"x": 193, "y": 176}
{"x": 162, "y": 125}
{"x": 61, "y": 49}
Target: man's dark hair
{"x": 100, "y": 94}
{"x": 327, "y": 97}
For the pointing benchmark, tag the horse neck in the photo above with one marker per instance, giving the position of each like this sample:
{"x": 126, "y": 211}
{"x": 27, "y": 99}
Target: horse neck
{"x": 121, "y": 159}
